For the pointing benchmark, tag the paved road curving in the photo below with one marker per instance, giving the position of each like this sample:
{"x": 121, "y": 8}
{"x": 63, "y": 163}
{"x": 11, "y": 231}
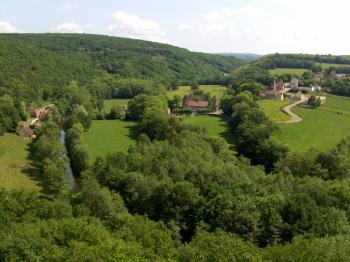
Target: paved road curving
{"x": 288, "y": 110}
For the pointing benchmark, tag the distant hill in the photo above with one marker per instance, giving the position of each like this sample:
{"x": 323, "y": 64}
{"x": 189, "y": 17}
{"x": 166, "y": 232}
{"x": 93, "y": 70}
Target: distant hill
{"x": 245, "y": 56}
{"x": 303, "y": 61}
{"x": 31, "y": 64}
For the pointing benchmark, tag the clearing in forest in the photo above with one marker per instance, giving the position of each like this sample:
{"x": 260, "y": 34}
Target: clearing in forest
{"x": 109, "y": 103}
{"x": 15, "y": 163}
{"x": 106, "y": 136}
{"x": 292, "y": 71}
{"x": 213, "y": 124}
{"x": 214, "y": 90}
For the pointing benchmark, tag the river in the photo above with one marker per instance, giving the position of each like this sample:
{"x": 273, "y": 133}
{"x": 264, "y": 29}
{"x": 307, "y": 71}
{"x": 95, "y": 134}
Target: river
{"x": 70, "y": 177}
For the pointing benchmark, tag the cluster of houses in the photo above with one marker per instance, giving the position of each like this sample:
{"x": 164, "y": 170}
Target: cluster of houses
{"x": 39, "y": 116}
{"x": 340, "y": 76}
{"x": 279, "y": 90}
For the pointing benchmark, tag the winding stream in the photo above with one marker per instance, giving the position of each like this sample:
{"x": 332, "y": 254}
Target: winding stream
{"x": 70, "y": 177}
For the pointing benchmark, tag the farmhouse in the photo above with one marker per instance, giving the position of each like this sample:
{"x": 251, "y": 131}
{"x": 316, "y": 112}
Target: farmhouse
{"x": 25, "y": 130}
{"x": 198, "y": 103}
{"x": 294, "y": 82}
{"x": 340, "y": 76}
{"x": 275, "y": 90}
{"x": 42, "y": 114}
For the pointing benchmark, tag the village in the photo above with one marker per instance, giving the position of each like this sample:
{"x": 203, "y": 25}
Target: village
{"x": 279, "y": 90}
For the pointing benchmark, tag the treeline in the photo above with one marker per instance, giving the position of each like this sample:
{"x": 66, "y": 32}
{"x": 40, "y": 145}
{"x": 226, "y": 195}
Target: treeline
{"x": 256, "y": 137}
{"x": 50, "y": 155}
{"x": 36, "y": 66}
{"x": 9, "y": 114}
{"x": 312, "y": 62}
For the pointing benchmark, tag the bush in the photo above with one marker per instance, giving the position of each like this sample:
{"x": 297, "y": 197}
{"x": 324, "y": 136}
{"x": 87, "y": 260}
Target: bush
{"x": 204, "y": 111}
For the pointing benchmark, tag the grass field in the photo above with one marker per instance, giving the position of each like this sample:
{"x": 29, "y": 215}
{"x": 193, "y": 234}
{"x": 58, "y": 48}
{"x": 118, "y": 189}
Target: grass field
{"x": 214, "y": 90}
{"x": 108, "y": 103}
{"x": 13, "y": 157}
{"x": 325, "y": 65}
{"x": 106, "y": 136}
{"x": 272, "y": 109}
{"x": 293, "y": 71}
{"x": 214, "y": 125}
{"x": 321, "y": 128}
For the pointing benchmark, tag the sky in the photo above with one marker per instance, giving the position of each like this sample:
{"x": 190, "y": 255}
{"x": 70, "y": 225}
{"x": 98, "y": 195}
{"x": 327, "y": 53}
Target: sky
{"x": 214, "y": 26}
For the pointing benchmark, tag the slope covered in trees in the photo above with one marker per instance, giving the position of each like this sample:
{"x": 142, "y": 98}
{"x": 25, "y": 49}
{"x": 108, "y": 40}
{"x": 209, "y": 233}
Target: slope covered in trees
{"x": 35, "y": 65}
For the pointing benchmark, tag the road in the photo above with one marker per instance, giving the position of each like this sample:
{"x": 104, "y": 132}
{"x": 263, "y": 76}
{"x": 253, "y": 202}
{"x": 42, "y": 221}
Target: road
{"x": 288, "y": 110}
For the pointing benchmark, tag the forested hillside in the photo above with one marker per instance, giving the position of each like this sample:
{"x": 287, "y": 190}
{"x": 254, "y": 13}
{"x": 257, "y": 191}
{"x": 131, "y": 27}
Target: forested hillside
{"x": 33, "y": 65}
{"x": 301, "y": 60}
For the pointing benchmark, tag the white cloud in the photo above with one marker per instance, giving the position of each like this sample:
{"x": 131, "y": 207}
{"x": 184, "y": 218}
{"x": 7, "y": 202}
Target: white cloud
{"x": 217, "y": 23}
{"x": 185, "y": 27}
{"x": 128, "y": 25}
{"x": 68, "y": 27}
{"x": 5, "y": 27}
{"x": 68, "y": 6}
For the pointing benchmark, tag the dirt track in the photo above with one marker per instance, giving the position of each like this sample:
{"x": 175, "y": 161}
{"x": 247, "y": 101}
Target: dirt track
{"x": 288, "y": 110}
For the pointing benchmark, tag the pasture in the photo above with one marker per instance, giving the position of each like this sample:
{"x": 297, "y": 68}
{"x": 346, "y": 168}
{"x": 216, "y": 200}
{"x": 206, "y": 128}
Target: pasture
{"x": 292, "y": 71}
{"x": 213, "y": 124}
{"x": 109, "y": 103}
{"x": 214, "y": 90}
{"x": 326, "y": 65}
{"x": 322, "y": 128}
{"x": 106, "y": 136}
{"x": 14, "y": 153}
{"x": 273, "y": 109}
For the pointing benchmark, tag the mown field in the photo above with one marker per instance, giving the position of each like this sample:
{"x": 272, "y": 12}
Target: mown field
{"x": 321, "y": 128}
{"x": 293, "y": 71}
{"x": 13, "y": 161}
{"x": 109, "y": 103}
{"x": 106, "y": 136}
{"x": 214, "y": 90}
{"x": 214, "y": 125}
{"x": 272, "y": 109}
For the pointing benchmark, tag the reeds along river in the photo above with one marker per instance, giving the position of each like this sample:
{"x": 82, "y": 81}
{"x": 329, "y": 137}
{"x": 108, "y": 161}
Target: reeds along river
{"x": 70, "y": 177}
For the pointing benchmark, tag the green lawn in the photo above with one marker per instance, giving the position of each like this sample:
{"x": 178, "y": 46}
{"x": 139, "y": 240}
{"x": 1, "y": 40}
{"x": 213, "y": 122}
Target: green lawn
{"x": 108, "y": 103}
{"x": 293, "y": 71}
{"x": 13, "y": 161}
{"x": 272, "y": 109}
{"x": 214, "y": 90}
{"x": 321, "y": 128}
{"x": 214, "y": 125}
{"x": 107, "y": 136}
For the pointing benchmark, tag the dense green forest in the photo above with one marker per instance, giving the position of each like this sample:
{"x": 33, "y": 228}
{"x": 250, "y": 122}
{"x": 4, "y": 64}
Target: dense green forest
{"x": 177, "y": 194}
{"x": 34, "y": 66}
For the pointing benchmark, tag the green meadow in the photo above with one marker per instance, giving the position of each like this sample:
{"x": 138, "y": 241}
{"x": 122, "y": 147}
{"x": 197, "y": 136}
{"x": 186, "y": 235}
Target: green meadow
{"x": 214, "y": 125}
{"x": 109, "y": 103}
{"x": 214, "y": 90}
{"x": 273, "y": 109}
{"x": 106, "y": 136}
{"x": 322, "y": 128}
{"x": 293, "y": 71}
{"x": 14, "y": 153}
{"x": 325, "y": 65}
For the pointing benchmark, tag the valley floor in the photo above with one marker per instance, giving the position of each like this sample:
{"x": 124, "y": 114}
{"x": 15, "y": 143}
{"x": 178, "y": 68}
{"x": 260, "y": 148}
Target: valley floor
{"x": 15, "y": 164}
